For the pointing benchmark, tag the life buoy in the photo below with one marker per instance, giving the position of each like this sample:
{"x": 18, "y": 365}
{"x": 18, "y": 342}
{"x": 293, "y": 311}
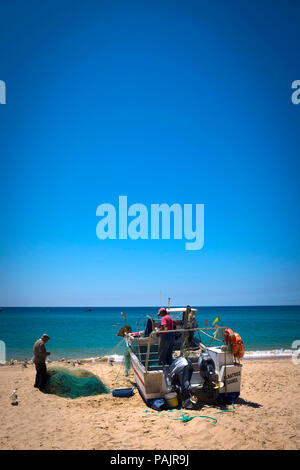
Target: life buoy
{"x": 237, "y": 345}
{"x": 241, "y": 351}
{"x": 227, "y": 333}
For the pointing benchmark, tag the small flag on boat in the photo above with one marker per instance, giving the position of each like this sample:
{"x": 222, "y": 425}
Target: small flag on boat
{"x": 123, "y": 315}
{"x": 216, "y": 320}
{"x": 206, "y": 322}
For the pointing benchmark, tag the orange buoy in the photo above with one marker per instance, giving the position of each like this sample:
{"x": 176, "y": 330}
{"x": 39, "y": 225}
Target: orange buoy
{"x": 241, "y": 351}
{"x": 227, "y": 333}
{"x": 235, "y": 341}
{"x": 237, "y": 345}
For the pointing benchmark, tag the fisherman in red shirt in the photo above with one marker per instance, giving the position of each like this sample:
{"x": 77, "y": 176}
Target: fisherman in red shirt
{"x": 166, "y": 339}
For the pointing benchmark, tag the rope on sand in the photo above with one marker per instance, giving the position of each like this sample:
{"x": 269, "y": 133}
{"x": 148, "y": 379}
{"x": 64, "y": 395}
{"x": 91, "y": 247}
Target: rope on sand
{"x": 227, "y": 411}
{"x": 184, "y": 416}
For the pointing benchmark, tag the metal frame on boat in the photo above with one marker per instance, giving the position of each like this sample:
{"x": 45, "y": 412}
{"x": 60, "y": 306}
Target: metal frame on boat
{"x": 154, "y": 380}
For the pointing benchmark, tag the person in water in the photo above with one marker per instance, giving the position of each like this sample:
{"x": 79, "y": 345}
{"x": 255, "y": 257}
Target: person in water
{"x": 166, "y": 339}
{"x": 39, "y": 359}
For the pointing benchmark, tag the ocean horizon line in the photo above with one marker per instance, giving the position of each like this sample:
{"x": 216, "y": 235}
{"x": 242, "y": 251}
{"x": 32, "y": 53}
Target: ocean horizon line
{"x": 146, "y": 306}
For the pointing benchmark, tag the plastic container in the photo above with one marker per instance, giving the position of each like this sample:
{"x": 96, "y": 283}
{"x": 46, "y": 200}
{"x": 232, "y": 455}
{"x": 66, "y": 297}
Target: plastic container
{"x": 171, "y": 399}
{"x": 158, "y": 404}
{"x": 122, "y": 392}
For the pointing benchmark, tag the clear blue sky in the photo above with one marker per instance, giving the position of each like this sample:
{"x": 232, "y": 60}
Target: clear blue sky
{"x": 162, "y": 101}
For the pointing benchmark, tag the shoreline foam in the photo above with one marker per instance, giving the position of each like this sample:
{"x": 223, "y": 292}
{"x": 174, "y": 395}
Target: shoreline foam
{"x": 269, "y": 354}
{"x": 117, "y": 358}
{"x": 249, "y": 355}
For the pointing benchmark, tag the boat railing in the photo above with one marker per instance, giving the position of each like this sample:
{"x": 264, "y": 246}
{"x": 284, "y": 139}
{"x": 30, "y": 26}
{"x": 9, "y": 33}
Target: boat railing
{"x": 181, "y": 330}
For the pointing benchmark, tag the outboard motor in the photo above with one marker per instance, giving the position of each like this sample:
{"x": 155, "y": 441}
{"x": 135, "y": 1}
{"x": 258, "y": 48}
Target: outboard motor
{"x": 207, "y": 369}
{"x": 181, "y": 371}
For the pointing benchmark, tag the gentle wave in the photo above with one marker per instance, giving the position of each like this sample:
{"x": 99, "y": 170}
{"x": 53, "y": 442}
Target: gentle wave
{"x": 114, "y": 357}
{"x": 117, "y": 358}
{"x": 271, "y": 354}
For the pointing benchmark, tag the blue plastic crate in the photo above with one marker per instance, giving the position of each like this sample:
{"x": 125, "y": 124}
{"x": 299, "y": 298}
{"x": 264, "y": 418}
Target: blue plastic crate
{"x": 122, "y": 392}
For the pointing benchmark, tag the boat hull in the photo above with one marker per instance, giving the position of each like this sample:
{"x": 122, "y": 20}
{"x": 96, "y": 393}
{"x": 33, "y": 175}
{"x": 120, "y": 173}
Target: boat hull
{"x": 151, "y": 384}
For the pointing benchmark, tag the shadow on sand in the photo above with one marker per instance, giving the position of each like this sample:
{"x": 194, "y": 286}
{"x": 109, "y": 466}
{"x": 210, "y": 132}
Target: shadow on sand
{"x": 241, "y": 401}
{"x": 226, "y": 407}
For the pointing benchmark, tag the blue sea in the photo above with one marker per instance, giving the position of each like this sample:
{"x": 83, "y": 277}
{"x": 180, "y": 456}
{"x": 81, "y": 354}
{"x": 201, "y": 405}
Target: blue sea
{"x": 77, "y": 333}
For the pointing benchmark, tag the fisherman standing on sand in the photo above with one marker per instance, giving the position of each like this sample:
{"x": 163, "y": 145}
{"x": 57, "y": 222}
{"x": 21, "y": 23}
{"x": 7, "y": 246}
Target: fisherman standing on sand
{"x": 39, "y": 359}
{"x": 166, "y": 339}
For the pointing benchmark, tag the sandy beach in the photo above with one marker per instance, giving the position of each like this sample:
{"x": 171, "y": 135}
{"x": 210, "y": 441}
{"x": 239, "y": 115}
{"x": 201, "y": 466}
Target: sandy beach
{"x": 266, "y": 416}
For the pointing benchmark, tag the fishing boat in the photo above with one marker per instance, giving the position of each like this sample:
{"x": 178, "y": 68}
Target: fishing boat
{"x": 198, "y": 373}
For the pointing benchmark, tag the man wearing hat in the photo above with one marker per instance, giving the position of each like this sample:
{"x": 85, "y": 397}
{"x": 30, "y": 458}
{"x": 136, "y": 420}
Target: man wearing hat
{"x": 39, "y": 359}
{"x": 166, "y": 339}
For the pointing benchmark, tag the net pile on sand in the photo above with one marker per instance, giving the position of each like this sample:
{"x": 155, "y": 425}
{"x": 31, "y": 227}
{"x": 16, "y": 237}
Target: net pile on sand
{"x": 74, "y": 383}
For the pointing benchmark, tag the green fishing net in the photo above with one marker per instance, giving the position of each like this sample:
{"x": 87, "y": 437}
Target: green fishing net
{"x": 75, "y": 383}
{"x": 127, "y": 361}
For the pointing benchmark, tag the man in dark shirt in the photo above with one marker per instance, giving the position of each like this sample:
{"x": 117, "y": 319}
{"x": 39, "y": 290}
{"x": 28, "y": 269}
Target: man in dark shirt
{"x": 39, "y": 359}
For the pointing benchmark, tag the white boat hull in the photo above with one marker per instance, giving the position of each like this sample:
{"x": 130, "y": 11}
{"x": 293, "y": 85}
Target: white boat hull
{"x": 151, "y": 384}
